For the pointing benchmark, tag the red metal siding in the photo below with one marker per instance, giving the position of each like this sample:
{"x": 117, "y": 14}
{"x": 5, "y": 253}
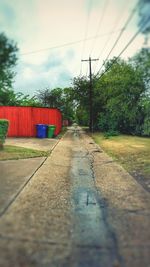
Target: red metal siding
{"x": 23, "y": 120}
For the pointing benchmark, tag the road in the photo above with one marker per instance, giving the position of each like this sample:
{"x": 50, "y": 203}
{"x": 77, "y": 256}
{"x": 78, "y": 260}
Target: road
{"x": 80, "y": 209}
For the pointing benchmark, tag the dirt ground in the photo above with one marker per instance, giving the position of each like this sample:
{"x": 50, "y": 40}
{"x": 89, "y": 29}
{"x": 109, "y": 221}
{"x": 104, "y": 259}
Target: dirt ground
{"x": 80, "y": 209}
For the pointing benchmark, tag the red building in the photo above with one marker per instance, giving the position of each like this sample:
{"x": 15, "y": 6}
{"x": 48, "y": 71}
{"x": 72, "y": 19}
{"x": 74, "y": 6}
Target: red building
{"x": 23, "y": 120}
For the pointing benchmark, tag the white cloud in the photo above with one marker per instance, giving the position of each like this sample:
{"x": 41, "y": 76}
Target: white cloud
{"x": 37, "y": 24}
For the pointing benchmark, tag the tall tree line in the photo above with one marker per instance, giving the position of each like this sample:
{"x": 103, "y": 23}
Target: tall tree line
{"x": 121, "y": 97}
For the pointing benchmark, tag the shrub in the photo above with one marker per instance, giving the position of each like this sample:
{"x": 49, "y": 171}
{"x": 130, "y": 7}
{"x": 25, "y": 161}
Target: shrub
{"x": 146, "y": 127}
{"x": 3, "y": 131}
{"x": 107, "y": 123}
{"x": 111, "y": 133}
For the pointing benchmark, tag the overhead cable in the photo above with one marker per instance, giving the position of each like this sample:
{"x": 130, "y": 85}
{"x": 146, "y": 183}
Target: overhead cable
{"x": 123, "y": 50}
{"x": 120, "y": 34}
{"x": 100, "y": 23}
{"x": 86, "y": 32}
{"x": 109, "y": 37}
{"x": 68, "y": 44}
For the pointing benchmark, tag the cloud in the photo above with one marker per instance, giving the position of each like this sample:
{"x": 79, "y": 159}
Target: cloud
{"x": 53, "y": 62}
{"x": 7, "y": 13}
{"x": 53, "y": 72}
{"x": 36, "y": 24}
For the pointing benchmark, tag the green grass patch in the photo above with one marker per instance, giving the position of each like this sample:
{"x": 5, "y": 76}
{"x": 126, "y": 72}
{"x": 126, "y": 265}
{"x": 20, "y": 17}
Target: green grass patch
{"x": 15, "y": 152}
{"x": 131, "y": 151}
{"x": 63, "y": 131}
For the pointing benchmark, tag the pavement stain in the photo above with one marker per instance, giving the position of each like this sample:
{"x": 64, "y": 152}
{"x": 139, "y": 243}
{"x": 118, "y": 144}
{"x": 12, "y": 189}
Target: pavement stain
{"x": 79, "y": 210}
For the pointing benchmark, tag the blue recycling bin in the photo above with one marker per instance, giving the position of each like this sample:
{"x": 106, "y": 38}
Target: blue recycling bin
{"x": 41, "y": 130}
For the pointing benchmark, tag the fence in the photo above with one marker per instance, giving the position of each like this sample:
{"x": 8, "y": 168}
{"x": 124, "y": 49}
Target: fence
{"x": 23, "y": 120}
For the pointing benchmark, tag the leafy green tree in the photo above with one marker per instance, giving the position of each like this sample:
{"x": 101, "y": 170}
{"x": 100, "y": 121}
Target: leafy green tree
{"x": 123, "y": 91}
{"x": 68, "y": 108}
{"x": 143, "y": 7}
{"x": 8, "y": 58}
{"x": 143, "y": 123}
{"x": 7, "y": 97}
{"x": 58, "y": 98}
{"x": 141, "y": 61}
{"x": 117, "y": 97}
{"x": 50, "y": 98}
{"x": 82, "y": 116}
{"x": 26, "y": 100}
{"x": 80, "y": 95}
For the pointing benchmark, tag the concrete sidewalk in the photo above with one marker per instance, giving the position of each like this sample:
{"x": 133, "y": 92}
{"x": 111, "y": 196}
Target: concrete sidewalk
{"x": 14, "y": 174}
{"x": 80, "y": 209}
{"x": 43, "y": 144}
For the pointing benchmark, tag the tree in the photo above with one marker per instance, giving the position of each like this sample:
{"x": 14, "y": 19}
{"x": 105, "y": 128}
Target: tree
{"x": 80, "y": 95}
{"x": 144, "y": 6}
{"x": 123, "y": 91}
{"x": 68, "y": 108}
{"x": 8, "y": 58}
{"x": 7, "y": 97}
{"x": 50, "y": 98}
{"x": 141, "y": 61}
{"x": 58, "y": 98}
{"x": 116, "y": 98}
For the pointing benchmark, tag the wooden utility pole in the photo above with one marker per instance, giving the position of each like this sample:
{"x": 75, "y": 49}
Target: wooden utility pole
{"x": 90, "y": 93}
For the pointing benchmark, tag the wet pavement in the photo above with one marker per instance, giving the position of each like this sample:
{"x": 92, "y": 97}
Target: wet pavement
{"x": 79, "y": 209}
{"x": 90, "y": 230}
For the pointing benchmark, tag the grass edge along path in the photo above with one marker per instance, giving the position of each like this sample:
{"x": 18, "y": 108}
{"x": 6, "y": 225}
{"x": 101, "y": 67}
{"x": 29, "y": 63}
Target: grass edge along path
{"x": 11, "y": 152}
{"x": 132, "y": 152}
{"x": 15, "y": 152}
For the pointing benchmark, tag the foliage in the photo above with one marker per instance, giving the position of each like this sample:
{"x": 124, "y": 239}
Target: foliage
{"x": 141, "y": 61}
{"x": 50, "y": 98}
{"x": 82, "y": 116}
{"x": 8, "y": 97}
{"x": 15, "y": 152}
{"x": 58, "y": 98}
{"x": 110, "y": 133}
{"x": 146, "y": 116}
{"x": 124, "y": 89}
{"x": 80, "y": 94}
{"x": 3, "y": 131}
{"x": 144, "y": 7}
{"x": 120, "y": 96}
{"x": 8, "y": 58}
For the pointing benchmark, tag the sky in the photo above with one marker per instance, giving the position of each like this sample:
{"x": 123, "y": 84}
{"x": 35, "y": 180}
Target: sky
{"x": 54, "y": 35}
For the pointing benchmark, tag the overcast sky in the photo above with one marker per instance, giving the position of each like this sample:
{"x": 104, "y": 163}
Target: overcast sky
{"x": 46, "y": 24}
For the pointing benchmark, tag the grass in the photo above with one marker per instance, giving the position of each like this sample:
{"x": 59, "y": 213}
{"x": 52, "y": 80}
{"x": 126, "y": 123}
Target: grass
{"x": 15, "y": 152}
{"x": 63, "y": 131}
{"x": 131, "y": 151}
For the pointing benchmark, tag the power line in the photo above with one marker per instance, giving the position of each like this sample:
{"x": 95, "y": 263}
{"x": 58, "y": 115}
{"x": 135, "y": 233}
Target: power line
{"x": 85, "y": 35}
{"x": 108, "y": 39}
{"x": 67, "y": 44}
{"x": 120, "y": 34}
{"x": 100, "y": 22}
{"x": 131, "y": 40}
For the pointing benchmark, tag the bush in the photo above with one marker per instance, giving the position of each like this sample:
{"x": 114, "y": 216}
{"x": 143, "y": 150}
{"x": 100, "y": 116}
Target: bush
{"x": 107, "y": 123}
{"x": 3, "y": 131}
{"x": 111, "y": 133}
{"x": 146, "y": 127}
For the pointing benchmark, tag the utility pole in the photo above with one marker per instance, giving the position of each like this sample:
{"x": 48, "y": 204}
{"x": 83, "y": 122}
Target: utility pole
{"x": 90, "y": 92}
